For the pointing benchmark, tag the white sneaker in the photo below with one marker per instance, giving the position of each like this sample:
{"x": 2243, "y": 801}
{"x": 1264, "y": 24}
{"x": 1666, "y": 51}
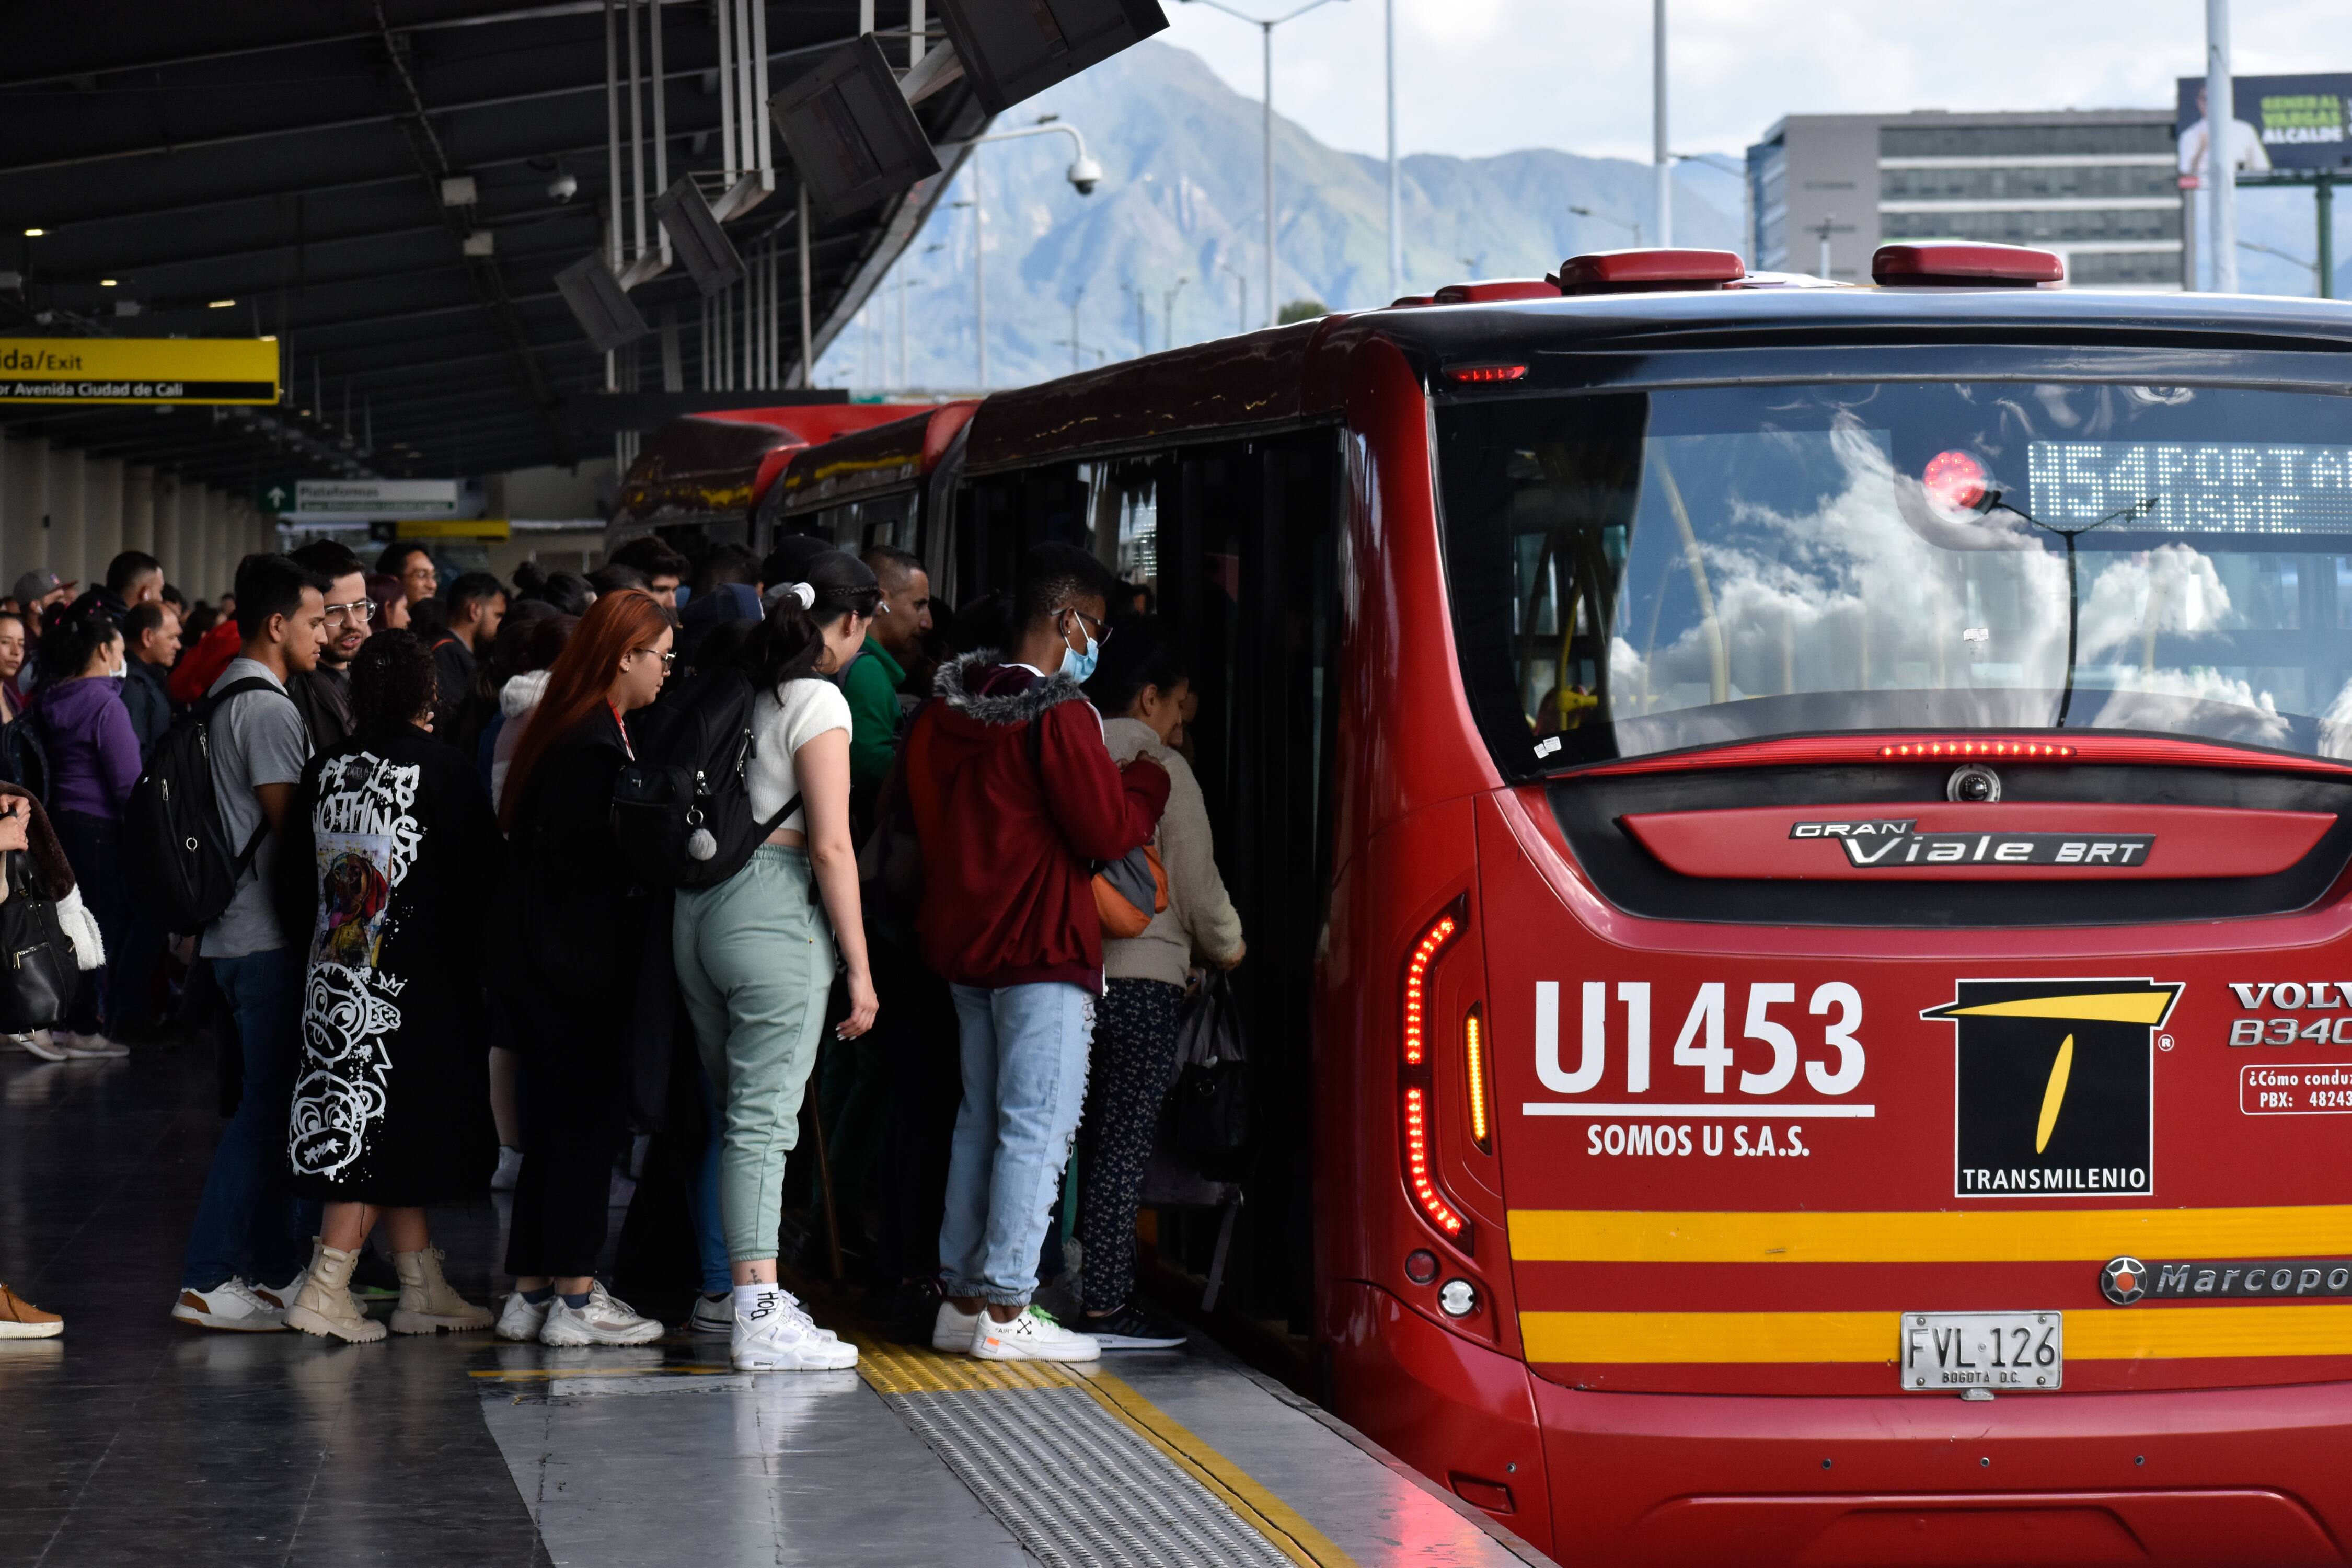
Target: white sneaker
{"x": 605, "y": 1320}
{"x": 520, "y": 1320}
{"x": 712, "y": 1314}
{"x": 510, "y": 1170}
{"x": 1032, "y": 1336}
{"x": 777, "y": 1336}
{"x": 952, "y": 1332}
{"x": 40, "y": 1043}
{"x": 234, "y": 1306}
{"x": 92, "y": 1046}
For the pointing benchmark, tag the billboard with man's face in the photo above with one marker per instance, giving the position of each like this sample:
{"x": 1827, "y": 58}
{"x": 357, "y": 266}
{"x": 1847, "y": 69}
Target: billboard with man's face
{"x": 2284, "y": 122}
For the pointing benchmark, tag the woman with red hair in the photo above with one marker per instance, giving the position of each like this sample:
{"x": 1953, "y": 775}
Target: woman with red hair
{"x": 578, "y": 929}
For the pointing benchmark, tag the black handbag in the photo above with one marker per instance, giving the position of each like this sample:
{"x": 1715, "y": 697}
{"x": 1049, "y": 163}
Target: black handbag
{"x": 37, "y": 984}
{"x": 1211, "y": 1107}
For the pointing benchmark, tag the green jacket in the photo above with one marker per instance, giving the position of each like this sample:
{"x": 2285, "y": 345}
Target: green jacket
{"x": 872, "y": 687}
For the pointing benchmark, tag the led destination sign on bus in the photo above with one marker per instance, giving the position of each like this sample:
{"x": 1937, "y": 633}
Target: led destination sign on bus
{"x": 2207, "y": 486}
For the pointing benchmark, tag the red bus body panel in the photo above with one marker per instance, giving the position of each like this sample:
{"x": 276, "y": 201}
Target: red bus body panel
{"x": 2165, "y": 1445}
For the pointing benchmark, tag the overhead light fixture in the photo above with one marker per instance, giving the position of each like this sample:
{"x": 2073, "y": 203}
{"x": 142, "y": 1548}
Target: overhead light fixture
{"x": 458, "y": 190}
{"x": 106, "y": 282}
{"x": 35, "y": 233}
{"x": 220, "y": 304}
{"x": 481, "y": 242}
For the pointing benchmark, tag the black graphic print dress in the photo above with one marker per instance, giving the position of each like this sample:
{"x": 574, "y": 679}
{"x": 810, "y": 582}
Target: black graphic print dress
{"x": 389, "y": 862}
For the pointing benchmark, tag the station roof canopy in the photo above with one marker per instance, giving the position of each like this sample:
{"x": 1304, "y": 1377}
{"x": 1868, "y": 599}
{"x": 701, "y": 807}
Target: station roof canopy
{"x": 299, "y": 168}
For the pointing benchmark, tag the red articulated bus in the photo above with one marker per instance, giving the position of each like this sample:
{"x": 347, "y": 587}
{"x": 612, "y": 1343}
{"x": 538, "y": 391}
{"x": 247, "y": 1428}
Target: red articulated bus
{"x": 875, "y": 487}
{"x": 1794, "y": 841}
{"x": 700, "y": 479}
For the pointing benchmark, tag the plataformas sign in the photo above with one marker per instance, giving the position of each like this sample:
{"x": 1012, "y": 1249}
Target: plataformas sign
{"x": 138, "y": 370}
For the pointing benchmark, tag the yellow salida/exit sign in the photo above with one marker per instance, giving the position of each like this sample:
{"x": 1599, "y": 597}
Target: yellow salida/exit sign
{"x": 138, "y": 370}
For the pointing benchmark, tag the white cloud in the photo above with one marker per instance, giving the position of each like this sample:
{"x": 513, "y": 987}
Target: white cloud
{"x": 1491, "y": 76}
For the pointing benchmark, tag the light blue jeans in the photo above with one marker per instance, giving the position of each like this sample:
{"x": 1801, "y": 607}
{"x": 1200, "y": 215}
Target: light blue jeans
{"x": 1024, "y": 1082}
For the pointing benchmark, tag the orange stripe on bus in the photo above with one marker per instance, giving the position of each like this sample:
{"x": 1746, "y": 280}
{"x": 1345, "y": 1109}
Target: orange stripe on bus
{"x": 1974, "y": 1236}
{"x": 2122, "y": 1333}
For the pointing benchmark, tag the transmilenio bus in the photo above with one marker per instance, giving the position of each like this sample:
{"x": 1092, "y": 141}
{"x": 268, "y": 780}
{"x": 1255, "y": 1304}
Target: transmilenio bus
{"x": 1794, "y": 843}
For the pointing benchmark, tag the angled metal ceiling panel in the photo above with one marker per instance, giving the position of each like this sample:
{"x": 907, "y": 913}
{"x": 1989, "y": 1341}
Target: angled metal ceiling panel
{"x": 273, "y": 152}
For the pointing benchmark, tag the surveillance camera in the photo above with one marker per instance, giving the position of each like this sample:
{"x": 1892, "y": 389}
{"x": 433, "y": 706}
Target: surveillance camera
{"x": 1085, "y": 174}
{"x": 563, "y": 187}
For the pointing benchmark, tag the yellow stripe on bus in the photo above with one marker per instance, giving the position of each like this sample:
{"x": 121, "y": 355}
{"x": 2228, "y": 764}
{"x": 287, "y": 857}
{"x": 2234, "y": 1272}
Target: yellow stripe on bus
{"x": 1972, "y": 1236}
{"x": 2100, "y": 1334}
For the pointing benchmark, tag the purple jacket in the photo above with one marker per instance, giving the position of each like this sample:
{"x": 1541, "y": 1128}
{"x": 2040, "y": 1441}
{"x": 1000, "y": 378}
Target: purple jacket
{"x": 93, "y": 751}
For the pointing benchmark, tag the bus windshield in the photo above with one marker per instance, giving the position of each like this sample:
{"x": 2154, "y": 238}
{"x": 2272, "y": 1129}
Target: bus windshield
{"x": 1642, "y": 572}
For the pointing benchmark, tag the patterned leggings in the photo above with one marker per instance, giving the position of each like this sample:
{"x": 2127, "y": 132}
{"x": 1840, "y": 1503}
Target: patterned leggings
{"x": 1134, "y": 1061}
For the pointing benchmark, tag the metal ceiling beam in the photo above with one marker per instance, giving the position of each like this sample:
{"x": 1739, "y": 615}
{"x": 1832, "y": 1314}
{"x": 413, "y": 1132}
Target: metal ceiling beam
{"x": 432, "y": 162}
{"x": 363, "y": 121}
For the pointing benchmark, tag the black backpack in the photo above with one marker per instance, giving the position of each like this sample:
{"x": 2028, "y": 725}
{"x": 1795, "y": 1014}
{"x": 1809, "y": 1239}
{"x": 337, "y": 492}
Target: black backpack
{"x": 175, "y": 850}
{"x": 682, "y": 808}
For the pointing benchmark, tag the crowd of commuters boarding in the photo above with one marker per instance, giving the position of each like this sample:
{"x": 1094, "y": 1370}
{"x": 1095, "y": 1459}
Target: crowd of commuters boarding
{"x": 449, "y": 964}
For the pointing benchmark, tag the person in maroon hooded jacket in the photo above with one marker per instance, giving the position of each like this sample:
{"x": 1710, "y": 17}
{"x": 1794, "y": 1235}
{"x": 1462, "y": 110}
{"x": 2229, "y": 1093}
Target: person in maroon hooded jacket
{"x": 1015, "y": 798}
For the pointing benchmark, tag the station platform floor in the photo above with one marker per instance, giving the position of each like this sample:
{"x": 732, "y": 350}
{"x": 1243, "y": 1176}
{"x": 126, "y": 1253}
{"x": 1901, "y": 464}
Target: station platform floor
{"x": 134, "y": 1439}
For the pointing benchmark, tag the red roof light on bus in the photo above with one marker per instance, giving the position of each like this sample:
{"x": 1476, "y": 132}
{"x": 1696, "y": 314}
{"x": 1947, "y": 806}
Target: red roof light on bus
{"x": 1965, "y": 265}
{"x": 1631, "y": 271}
{"x": 1495, "y": 290}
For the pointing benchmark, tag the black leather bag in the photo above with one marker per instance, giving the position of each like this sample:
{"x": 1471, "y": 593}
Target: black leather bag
{"x": 38, "y": 981}
{"x": 1211, "y": 1107}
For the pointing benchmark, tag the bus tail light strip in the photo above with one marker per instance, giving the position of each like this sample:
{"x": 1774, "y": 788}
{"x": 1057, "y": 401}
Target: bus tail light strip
{"x": 1419, "y": 1100}
{"x": 1473, "y": 1065}
{"x": 1416, "y": 1166}
{"x": 1416, "y": 975}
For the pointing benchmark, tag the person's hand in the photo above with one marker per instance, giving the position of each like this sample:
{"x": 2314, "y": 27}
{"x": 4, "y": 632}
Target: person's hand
{"x": 16, "y": 823}
{"x": 863, "y": 1006}
{"x": 1241, "y": 951}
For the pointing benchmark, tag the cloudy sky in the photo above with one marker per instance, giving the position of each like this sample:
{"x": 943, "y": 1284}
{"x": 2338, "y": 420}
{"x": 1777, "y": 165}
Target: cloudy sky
{"x": 1488, "y": 76}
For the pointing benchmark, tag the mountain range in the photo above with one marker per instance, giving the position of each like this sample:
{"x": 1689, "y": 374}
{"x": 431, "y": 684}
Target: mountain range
{"x": 1173, "y": 237}
{"x": 1169, "y": 248}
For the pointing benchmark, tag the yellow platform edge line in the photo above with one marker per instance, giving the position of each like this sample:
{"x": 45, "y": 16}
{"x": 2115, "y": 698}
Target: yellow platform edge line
{"x": 907, "y": 1369}
{"x": 1251, "y": 1501}
{"x": 2318, "y": 1329}
{"x": 1971, "y": 1236}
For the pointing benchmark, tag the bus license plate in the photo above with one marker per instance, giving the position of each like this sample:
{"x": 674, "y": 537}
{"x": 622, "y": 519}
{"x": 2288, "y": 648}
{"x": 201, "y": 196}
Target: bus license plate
{"x": 2025, "y": 1351}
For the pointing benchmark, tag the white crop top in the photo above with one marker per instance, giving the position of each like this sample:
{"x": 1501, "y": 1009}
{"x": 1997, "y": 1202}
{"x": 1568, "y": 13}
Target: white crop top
{"x": 783, "y": 720}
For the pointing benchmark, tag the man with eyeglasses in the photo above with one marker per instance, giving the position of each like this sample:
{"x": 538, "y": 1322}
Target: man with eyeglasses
{"x": 412, "y": 564}
{"x": 324, "y": 693}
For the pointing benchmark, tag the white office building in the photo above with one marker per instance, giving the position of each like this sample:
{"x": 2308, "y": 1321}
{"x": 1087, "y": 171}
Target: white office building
{"x": 2098, "y": 187}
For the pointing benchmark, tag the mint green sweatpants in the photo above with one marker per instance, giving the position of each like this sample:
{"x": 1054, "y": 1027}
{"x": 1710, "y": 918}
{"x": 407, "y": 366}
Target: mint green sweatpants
{"x": 755, "y": 960}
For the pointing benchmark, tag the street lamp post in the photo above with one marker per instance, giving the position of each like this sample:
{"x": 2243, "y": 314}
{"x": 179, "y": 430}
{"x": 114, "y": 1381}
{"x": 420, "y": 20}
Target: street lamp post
{"x": 1084, "y": 174}
{"x": 1732, "y": 166}
{"x": 1663, "y": 161}
{"x": 2220, "y": 158}
{"x": 1266, "y": 26}
{"x": 1168, "y": 318}
{"x": 1396, "y": 229}
{"x": 1633, "y": 228}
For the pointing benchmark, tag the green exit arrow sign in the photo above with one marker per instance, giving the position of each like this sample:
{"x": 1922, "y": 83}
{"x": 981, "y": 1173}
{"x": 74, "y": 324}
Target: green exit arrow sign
{"x": 277, "y": 496}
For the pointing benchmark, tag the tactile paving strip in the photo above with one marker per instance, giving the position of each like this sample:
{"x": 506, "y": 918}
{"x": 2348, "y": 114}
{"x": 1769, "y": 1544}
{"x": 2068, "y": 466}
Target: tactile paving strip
{"x": 1077, "y": 1486}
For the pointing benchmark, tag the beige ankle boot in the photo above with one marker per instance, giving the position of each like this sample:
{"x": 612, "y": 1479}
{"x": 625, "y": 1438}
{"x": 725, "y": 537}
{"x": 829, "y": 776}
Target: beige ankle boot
{"x": 428, "y": 1303}
{"x": 324, "y": 1305}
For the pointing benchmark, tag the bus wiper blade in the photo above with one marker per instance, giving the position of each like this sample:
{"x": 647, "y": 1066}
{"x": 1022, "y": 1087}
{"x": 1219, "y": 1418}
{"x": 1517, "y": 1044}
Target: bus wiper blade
{"x": 2141, "y": 508}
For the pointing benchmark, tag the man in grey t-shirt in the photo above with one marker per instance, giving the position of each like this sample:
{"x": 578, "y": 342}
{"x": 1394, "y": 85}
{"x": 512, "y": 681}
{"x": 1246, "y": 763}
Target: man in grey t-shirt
{"x": 259, "y": 742}
{"x": 245, "y": 1255}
